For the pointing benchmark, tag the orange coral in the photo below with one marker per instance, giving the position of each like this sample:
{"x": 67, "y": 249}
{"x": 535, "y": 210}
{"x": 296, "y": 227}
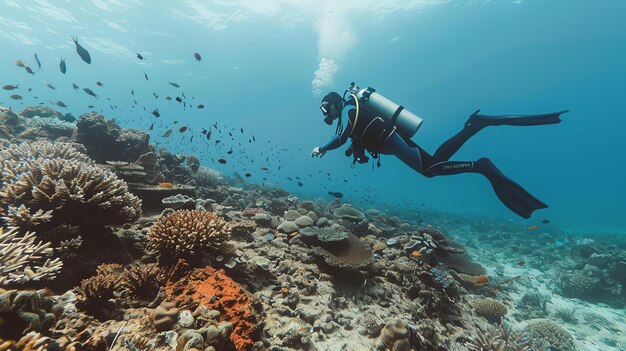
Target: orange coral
{"x": 214, "y": 289}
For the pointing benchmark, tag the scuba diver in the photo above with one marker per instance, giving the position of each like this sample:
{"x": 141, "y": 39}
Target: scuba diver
{"x": 380, "y": 126}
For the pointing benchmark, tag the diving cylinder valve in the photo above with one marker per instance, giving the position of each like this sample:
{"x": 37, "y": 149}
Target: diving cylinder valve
{"x": 406, "y": 121}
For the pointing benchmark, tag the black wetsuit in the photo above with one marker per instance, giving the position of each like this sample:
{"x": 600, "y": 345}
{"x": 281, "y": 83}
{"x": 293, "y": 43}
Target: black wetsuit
{"x": 379, "y": 136}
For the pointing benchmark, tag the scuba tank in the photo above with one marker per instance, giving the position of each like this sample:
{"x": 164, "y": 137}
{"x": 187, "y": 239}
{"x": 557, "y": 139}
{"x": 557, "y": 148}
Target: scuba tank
{"x": 371, "y": 101}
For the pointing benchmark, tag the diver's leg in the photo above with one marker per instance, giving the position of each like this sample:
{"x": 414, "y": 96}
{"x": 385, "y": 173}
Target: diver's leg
{"x": 412, "y": 155}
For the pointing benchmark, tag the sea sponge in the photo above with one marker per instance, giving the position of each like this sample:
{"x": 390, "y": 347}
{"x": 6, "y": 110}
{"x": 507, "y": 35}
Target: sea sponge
{"x": 22, "y": 258}
{"x": 43, "y": 178}
{"x": 490, "y": 308}
{"x": 186, "y": 233}
{"x": 551, "y": 333}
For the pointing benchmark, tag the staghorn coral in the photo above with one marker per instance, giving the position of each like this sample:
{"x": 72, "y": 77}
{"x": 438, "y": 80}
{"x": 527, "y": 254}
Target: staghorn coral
{"x": 490, "y": 308}
{"x": 95, "y": 292}
{"x": 28, "y": 151}
{"x": 551, "y": 333}
{"x": 72, "y": 191}
{"x": 143, "y": 282}
{"x": 186, "y": 233}
{"x": 23, "y": 259}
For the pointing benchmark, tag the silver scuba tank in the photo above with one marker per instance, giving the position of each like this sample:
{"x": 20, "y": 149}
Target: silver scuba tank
{"x": 406, "y": 121}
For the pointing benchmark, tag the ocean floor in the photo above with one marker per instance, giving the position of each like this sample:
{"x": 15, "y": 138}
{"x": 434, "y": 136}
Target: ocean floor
{"x": 110, "y": 243}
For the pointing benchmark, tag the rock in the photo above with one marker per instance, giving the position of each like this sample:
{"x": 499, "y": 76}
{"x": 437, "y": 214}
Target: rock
{"x": 185, "y": 319}
{"x": 304, "y": 221}
{"x": 41, "y": 111}
{"x": 288, "y": 227}
{"x": 170, "y": 338}
{"x": 164, "y": 316}
{"x": 292, "y": 215}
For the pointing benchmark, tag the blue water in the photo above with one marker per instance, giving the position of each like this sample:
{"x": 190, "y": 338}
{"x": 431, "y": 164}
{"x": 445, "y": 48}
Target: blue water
{"x": 441, "y": 59}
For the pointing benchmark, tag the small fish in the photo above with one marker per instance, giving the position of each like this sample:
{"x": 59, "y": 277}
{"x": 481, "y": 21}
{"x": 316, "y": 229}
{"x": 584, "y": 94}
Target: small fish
{"x": 533, "y": 227}
{"x": 416, "y": 254}
{"x": 16, "y": 97}
{"x": 151, "y": 127}
{"x": 300, "y": 184}
{"x": 99, "y": 84}
{"x": 179, "y": 99}
{"x": 61, "y": 104}
{"x": 197, "y": 57}
{"x": 175, "y": 85}
{"x": 156, "y": 113}
{"x": 248, "y": 174}
{"x": 145, "y": 75}
{"x": 230, "y": 152}
{"x": 241, "y": 130}
{"x": 200, "y": 106}
{"x": 521, "y": 263}
{"x": 62, "y": 66}
{"x": 38, "y": 62}
{"x": 91, "y": 106}
{"x": 336, "y": 194}
{"x": 19, "y": 63}
{"x": 208, "y": 135}
{"x": 28, "y": 70}
{"x": 49, "y": 85}
{"x": 90, "y": 92}
{"x": 139, "y": 56}
{"x": 182, "y": 129}
{"x": 168, "y": 133}
{"x": 168, "y": 98}
{"x": 10, "y": 87}
{"x": 166, "y": 185}
{"x": 222, "y": 161}
{"x": 264, "y": 169}
{"x": 82, "y": 52}
{"x": 545, "y": 221}
{"x": 76, "y": 87}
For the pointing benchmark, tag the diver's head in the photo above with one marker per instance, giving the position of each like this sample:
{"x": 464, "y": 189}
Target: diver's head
{"x": 331, "y": 106}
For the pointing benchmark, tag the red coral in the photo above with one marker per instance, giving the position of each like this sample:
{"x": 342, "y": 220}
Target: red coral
{"x": 214, "y": 289}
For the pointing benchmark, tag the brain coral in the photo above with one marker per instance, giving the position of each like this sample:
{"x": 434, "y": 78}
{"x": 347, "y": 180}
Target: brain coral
{"x": 185, "y": 233}
{"x": 551, "y": 333}
{"x": 58, "y": 181}
{"x": 490, "y": 308}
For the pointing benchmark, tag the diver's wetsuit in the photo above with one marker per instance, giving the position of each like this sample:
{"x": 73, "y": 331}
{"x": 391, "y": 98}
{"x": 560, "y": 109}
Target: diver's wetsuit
{"x": 380, "y": 136}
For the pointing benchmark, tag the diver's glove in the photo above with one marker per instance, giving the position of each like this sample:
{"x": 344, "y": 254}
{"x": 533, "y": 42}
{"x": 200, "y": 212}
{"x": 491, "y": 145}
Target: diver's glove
{"x": 317, "y": 152}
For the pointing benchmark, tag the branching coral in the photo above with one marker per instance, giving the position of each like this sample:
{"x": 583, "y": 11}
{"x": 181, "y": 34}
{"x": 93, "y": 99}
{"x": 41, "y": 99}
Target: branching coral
{"x": 143, "y": 281}
{"x": 22, "y": 258}
{"x": 40, "y": 180}
{"x": 95, "y": 292}
{"x": 185, "y": 233}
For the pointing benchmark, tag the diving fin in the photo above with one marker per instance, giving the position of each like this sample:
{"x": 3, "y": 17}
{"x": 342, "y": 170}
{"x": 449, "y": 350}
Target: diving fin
{"x": 479, "y": 120}
{"x": 512, "y": 195}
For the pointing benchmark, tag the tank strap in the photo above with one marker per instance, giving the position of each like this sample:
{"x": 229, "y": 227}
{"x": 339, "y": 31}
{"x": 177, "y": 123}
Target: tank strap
{"x": 396, "y": 114}
{"x": 356, "y": 117}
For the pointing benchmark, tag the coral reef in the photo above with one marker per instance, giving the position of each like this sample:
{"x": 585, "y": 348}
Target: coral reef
{"x": 25, "y": 311}
{"x": 185, "y": 233}
{"x": 143, "y": 281}
{"x": 491, "y": 309}
{"x": 23, "y": 258}
{"x": 551, "y": 333}
{"x": 349, "y": 253}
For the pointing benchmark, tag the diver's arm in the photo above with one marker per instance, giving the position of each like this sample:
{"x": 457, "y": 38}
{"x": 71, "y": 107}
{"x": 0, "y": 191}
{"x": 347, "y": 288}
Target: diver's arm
{"x": 341, "y": 139}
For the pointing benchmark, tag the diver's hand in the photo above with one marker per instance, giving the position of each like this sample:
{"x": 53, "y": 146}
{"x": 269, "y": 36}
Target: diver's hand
{"x": 317, "y": 152}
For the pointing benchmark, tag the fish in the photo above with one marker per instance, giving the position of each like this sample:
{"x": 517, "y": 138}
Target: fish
{"x": 521, "y": 263}
{"x": 248, "y": 174}
{"x": 175, "y": 85}
{"x": 179, "y": 99}
{"x": 28, "y": 70}
{"x": 300, "y": 184}
{"x": 139, "y": 56}
{"x": 99, "y": 84}
{"x": 68, "y": 118}
{"x": 10, "y": 87}
{"x": 208, "y": 135}
{"x": 16, "y": 97}
{"x": 222, "y": 161}
{"x": 49, "y": 85}
{"x": 416, "y": 254}
{"x": 76, "y": 87}
{"x": 336, "y": 194}
{"x": 197, "y": 57}
{"x": 168, "y": 133}
{"x": 61, "y": 104}
{"x": 166, "y": 185}
{"x": 90, "y": 92}
{"x": 264, "y": 169}
{"x": 156, "y": 113}
{"x": 151, "y": 127}
{"x": 38, "y": 62}
{"x": 62, "y": 66}
{"x": 200, "y": 106}
{"x": 19, "y": 63}
{"x": 145, "y": 75}
{"x": 168, "y": 98}
{"x": 545, "y": 221}
{"x": 182, "y": 129}
{"x": 82, "y": 52}
{"x": 241, "y": 129}
{"x": 91, "y": 106}
{"x": 230, "y": 152}
{"x": 533, "y": 227}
